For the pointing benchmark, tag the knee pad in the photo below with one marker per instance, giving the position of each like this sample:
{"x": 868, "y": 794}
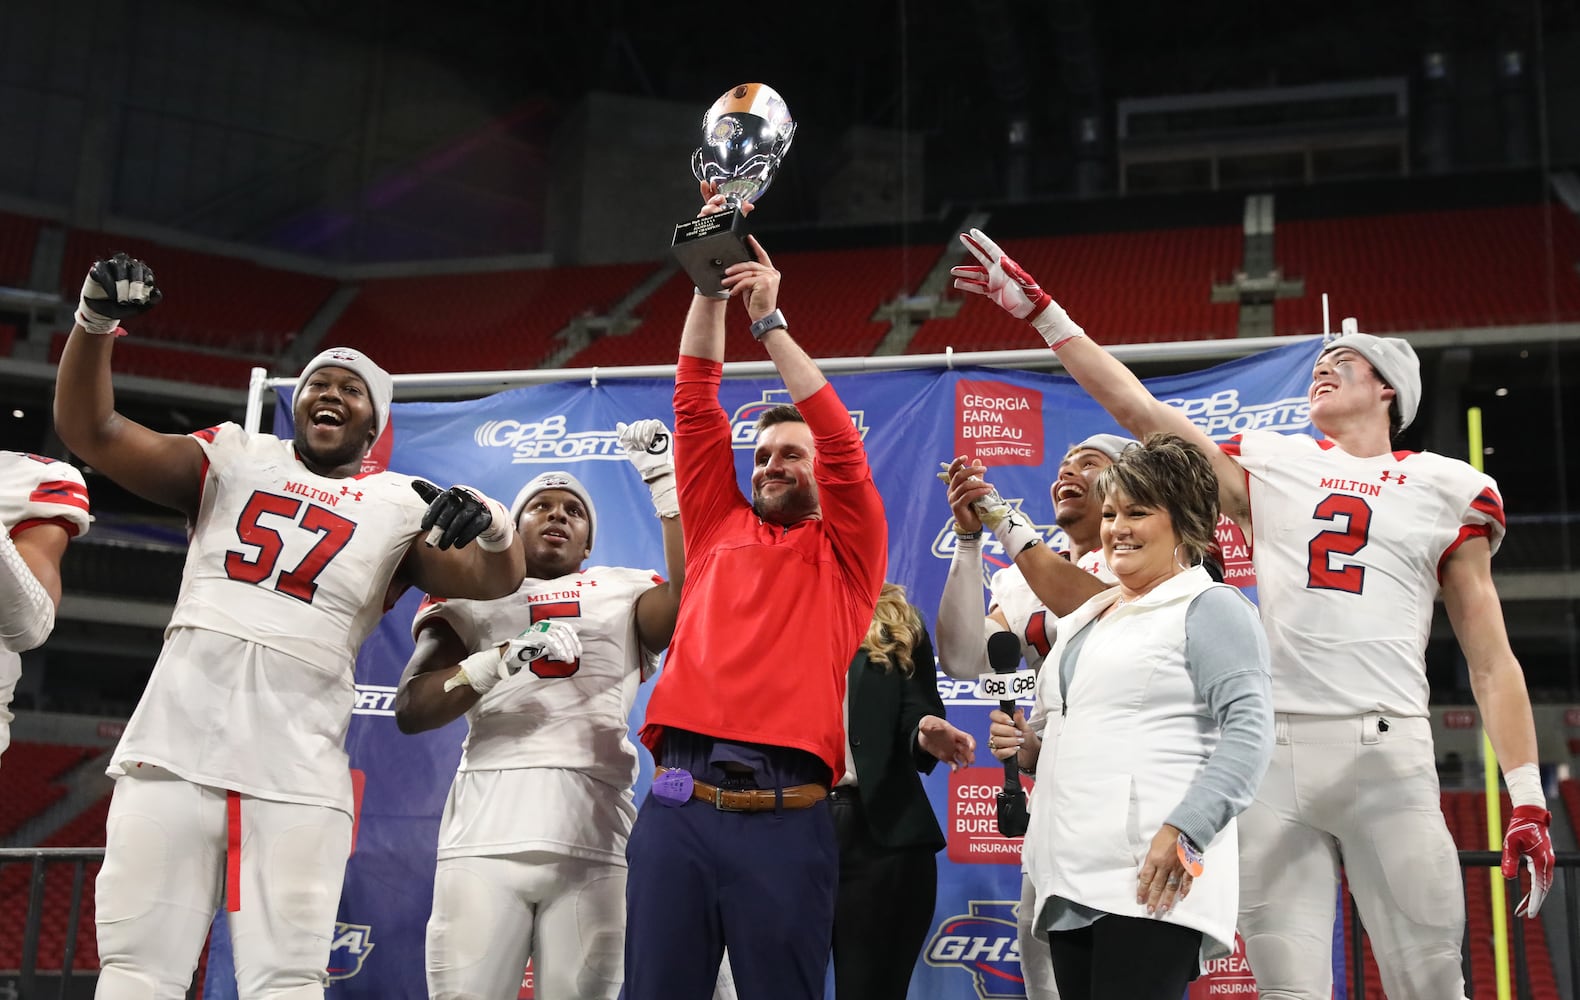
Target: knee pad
{"x": 135, "y": 859}
{"x": 303, "y": 886}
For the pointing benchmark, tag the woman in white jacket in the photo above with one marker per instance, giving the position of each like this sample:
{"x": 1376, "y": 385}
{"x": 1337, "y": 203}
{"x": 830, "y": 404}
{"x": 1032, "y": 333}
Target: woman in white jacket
{"x": 1158, "y": 728}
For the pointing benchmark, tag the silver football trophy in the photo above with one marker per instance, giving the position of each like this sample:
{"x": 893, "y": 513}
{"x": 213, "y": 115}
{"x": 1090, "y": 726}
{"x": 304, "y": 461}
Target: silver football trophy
{"x": 746, "y": 134}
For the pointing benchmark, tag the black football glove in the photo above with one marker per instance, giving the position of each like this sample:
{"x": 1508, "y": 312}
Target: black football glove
{"x": 116, "y": 288}
{"x": 460, "y": 514}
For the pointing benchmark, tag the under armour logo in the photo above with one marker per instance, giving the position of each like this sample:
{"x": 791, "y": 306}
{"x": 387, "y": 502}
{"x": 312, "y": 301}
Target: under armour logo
{"x": 587, "y": 583}
{"x": 346, "y": 490}
{"x": 1388, "y": 476}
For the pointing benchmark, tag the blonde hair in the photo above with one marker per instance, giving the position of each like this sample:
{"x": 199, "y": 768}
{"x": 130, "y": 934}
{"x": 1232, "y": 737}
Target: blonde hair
{"x": 895, "y": 630}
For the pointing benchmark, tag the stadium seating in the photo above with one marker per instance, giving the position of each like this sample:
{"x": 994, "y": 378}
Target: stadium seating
{"x": 1569, "y": 792}
{"x": 829, "y": 298}
{"x": 477, "y": 322}
{"x": 209, "y": 300}
{"x": 1127, "y": 288}
{"x": 1432, "y": 270}
{"x": 27, "y": 782}
{"x": 30, "y": 762}
{"x": 18, "y": 237}
{"x": 1466, "y": 814}
{"x": 159, "y": 360}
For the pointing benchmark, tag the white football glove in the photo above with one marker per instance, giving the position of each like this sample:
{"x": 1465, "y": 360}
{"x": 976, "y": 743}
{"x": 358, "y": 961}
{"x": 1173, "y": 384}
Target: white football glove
{"x": 116, "y": 288}
{"x": 1006, "y": 283}
{"x": 550, "y": 639}
{"x": 651, "y": 448}
{"x": 1013, "y": 528}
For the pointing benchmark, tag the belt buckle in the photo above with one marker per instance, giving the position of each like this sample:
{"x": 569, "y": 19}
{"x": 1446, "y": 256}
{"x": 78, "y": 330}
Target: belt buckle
{"x": 718, "y": 802}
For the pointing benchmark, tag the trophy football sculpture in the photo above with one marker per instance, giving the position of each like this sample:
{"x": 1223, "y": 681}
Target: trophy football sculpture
{"x": 746, "y": 134}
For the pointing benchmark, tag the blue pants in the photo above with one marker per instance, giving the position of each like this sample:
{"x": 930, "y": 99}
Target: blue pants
{"x": 761, "y": 883}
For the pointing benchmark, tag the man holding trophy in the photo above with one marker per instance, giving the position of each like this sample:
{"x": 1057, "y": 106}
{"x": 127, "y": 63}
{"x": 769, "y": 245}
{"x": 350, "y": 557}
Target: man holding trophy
{"x": 735, "y": 847}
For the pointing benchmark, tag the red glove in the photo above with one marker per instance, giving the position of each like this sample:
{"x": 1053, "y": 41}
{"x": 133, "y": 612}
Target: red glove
{"x": 1528, "y": 838}
{"x": 997, "y": 276}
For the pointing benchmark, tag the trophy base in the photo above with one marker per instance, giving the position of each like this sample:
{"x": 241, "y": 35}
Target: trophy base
{"x": 705, "y": 246}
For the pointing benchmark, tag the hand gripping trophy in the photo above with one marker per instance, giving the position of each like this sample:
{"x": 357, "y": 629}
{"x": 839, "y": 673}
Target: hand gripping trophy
{"x": 746, "y": 134}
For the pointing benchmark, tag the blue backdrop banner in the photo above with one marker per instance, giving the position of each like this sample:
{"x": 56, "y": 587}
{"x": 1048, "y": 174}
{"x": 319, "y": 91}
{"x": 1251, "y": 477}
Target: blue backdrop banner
{"x": 1018, "y": 423}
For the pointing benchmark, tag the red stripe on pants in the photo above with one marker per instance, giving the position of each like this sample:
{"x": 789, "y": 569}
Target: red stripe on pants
{"x": 233, "y": 851}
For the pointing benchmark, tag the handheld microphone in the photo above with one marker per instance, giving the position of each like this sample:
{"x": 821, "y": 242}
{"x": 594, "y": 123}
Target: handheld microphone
{"x": 1003, "y": 650}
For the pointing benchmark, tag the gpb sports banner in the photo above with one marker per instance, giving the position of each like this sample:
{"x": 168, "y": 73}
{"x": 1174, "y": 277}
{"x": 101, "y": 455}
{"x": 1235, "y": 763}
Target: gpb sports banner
{"x": 1018, "y": 423}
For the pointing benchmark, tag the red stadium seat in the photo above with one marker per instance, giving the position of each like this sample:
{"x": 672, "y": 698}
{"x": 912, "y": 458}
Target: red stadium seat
{"x": 1433, "y": 270}
{"x": 1126, "y": 288}
{"x": 835, "y": 293}
{"x": 477, "y": 322}
{"x": 18, "y": 237}
{"x": 210, "y": 300}
{"x": 158, "y": 360}
{"x": 41, "y": 763}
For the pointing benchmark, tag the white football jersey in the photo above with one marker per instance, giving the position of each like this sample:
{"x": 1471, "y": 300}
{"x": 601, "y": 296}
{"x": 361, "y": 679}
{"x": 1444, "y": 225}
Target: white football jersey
{"x": 1348, "y": 553}
{"x": 1032, "y": 623}
{"x": 34, "y": 490}
{"x": 548, "y": 763}
{"x": 287, "y": 572}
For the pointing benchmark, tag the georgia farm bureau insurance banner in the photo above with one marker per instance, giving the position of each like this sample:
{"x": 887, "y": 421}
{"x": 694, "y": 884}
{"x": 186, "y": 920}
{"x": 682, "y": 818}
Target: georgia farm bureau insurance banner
{"x": 1018, "y": 423}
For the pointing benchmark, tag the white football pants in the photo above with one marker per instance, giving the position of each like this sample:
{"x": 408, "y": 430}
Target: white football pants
{"x": 1361, "y": 791}
{"x": 490, "y": 914}
{"x": 164, "y": 877}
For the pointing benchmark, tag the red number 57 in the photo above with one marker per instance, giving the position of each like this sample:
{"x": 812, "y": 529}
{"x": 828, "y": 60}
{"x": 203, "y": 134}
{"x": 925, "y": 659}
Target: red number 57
{"x": 333, "y": 530}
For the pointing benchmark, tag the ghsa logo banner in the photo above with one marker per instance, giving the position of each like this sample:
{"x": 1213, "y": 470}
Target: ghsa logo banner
{"x": 352, "y": 945}
{"x": 982, "y": 943}
{"x": 743, "y": 424}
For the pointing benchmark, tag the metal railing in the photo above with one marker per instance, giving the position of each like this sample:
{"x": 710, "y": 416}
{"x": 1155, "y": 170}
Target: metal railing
{"x": 1473, "y": 864}
{"x": 41, "y": 857}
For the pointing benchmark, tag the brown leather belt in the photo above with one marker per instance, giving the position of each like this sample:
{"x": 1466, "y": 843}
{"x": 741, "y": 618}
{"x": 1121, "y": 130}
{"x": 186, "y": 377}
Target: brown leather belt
{"x": 754, "y": 799}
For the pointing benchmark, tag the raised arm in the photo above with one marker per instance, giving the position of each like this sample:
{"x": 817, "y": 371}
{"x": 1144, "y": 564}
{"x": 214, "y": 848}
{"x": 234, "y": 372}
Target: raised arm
{"x": 1059, "y": 584}
{"x": 650, "y": 448}
{"x": 757, "y": 281}
{"x": 999, "y": 278}
{"x": 164, "y": 468}
{"x": 703, "y": 334}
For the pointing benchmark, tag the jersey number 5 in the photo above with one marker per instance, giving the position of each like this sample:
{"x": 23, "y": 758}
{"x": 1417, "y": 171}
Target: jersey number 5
{"x": 1345, "y": 541}
{"x": 555, "y": 609}
{"x": 333, "y": 530}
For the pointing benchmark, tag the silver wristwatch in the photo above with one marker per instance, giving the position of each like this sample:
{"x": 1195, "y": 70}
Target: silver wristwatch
{"x": 773, "y": 321}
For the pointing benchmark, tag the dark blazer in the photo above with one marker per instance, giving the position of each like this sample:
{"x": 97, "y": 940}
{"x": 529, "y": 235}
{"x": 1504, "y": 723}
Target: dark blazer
{"x": 885, "y": 707}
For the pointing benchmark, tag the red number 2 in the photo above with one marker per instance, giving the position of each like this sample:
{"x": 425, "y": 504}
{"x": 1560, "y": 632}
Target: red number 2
{"x": 1345, "y": 541}
{"x": 555, "y": 609}
{"x": 333, "y": 530}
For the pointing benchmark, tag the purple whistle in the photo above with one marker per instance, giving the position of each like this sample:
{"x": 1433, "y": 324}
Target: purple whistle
{"x": 673, "y": 787}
